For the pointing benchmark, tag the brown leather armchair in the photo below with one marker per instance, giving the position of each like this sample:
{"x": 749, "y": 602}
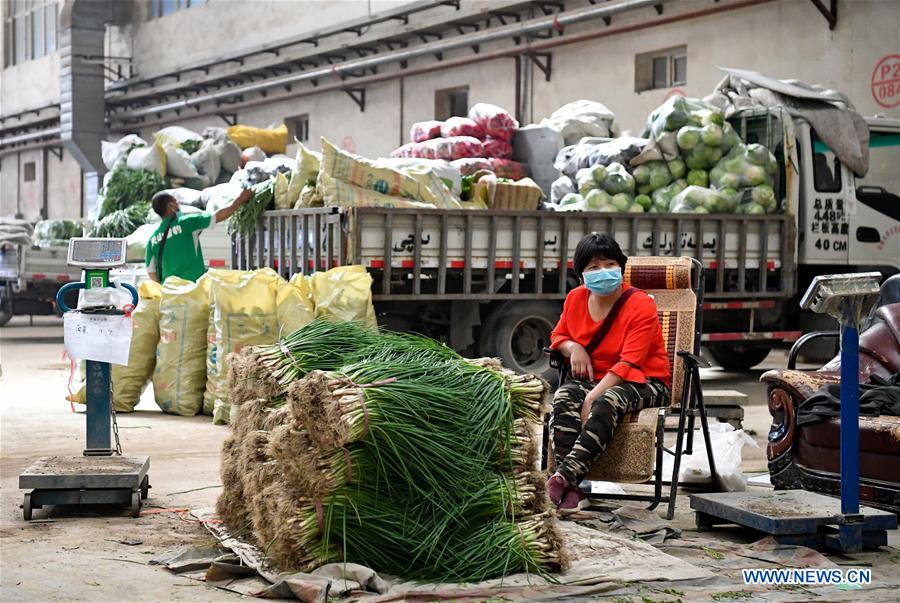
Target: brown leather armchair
{"x": 809, "y": 457}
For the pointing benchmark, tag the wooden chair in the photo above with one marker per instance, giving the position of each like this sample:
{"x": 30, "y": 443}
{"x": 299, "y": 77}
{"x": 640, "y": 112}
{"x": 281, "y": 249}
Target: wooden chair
{"x": 635, "y": 454}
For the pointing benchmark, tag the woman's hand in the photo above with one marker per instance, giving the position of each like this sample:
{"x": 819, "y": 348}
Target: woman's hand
{"x": 608, "y": 381}
{"x": 580, "y": 360}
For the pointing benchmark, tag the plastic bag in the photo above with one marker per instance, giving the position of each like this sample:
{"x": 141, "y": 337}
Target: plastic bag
{"x": 364, "y": 173}
{"x": 151, "y": 158}
{"x": 470, "y": 165}
{"x": 461, "y": 126}
{"x": 117, "y": 152}
{"x": 136, "y": 243}
{"x": 425, "y": 130}
{"x": 178, "y": 163}
{"x": 561, "y": 187}
{"x": 494, "y": 121}
{"x": 457, "y": 147}
{"x": 744, "y": 166}
{"x": 216, "y": 197}
{"x": 271, "y": 141}
{"x": 177, "y": 136}
{"x": 207, "y": 161}
{"x": 506, "y": 168}
{"x": 675, "y": 113}
{"x": 409, "y": 150}
{"x": 620, "y": 150}
{"x": 581, "y": 118}
{"x": 662, "y": 197}
{"x": 281, "y": 192}
{"x": 180, "y": 375}
{"x": 252, "y": 154}
{"x": 727, "y": 446}
{"x": 243, "y": 312}
{"x": 495, "y": 147}
{"x": 697, "y": 200}
{"x": 344, "y": 293}
{"x": 295, "y": 306}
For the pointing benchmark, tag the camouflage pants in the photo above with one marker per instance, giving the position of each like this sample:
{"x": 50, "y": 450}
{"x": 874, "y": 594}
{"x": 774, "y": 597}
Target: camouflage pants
{"x": 575, "y": 447}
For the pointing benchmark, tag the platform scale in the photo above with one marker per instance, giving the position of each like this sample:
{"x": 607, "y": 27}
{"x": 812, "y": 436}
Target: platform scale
{"x": 808, "y": 518}
{"x": 101, "y": 476}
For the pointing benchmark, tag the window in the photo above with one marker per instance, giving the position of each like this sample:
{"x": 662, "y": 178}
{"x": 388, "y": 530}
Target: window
{"x": 298, "y": 127}
{"x": 30, "y": 30}
{"x": 660, "y": 69}
{"x": 29, "y": 171}
{"x": 826, "y": 168}
{"x": 162, "y": 8}
{"x": 451, "y": 102}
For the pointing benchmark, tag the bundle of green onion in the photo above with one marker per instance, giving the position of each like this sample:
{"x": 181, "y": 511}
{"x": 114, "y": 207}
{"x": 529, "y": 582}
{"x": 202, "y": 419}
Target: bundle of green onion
{"x": 388, "y": 450}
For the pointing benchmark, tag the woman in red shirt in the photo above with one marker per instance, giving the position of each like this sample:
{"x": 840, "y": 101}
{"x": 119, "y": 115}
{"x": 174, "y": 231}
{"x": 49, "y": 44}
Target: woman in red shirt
{"x": 627, "y": 371}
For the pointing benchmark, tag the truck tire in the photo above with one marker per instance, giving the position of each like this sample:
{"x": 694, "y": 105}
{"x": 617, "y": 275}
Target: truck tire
{"x": 517, "y": 332}
{"x": 5, "y": 317}
{"x": 739, "y": 356}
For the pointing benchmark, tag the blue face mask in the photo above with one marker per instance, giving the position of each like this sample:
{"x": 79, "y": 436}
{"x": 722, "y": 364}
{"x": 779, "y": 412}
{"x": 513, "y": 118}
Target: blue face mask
{"x": 603, "y": 281}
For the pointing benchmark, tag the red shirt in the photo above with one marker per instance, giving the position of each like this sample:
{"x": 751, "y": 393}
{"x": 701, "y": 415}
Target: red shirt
{"x": 633, "y": 348}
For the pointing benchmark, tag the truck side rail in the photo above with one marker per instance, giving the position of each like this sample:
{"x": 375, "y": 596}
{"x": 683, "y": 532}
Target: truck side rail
{"x": 491, "y": 255}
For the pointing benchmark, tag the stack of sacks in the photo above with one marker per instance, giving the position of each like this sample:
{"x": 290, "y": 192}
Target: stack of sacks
{"x": 481, "y": 141}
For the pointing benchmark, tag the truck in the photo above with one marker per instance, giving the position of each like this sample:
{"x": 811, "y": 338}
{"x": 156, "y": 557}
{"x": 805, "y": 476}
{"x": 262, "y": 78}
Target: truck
{"x": 30, "y": 276}
{"x": 492, "y": 282}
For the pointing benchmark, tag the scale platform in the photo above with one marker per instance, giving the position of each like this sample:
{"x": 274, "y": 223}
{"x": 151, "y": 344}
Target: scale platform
{"x": 791, "y": 516}
{"x": 86, "y": 480}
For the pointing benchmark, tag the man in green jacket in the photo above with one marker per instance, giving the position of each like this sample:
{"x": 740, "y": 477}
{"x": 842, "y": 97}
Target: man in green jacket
{"x": 174, "y": 248}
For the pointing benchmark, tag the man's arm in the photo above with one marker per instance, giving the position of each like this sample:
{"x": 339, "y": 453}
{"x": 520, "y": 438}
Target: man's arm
{"x": 225, "y": 212}
{"x": 153, "y": 276}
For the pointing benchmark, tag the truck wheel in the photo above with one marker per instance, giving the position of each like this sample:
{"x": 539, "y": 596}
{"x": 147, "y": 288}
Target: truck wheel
{"x": 517, "y": 333}
{"x": 5, "y": 317}
{"x": 739, "y": 356}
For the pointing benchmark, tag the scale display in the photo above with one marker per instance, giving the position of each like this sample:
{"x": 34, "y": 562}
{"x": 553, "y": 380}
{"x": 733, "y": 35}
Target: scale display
{"x": 96, "y": 253}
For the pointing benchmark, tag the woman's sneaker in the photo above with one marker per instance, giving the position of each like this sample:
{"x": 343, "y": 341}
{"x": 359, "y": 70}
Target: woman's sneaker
{"x": 556, "y": 487}
{"x": 573, "y": 500}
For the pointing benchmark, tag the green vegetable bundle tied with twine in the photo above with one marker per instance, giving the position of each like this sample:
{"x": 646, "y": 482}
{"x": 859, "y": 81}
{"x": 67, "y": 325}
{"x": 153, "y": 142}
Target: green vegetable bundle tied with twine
{"x": 389, "y": 450}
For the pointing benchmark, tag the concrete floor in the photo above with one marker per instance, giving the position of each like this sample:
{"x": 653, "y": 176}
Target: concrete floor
{"x": 79, "y": 557}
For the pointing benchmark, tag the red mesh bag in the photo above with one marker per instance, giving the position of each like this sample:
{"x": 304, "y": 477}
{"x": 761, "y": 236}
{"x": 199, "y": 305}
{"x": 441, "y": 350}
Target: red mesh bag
{"x": 470, "y": 165}
{"x": 425, "y": 130}
{"x": 494, "y": 121}
{"x": 456, "y": 147}
{"x": 496, "y": 147}
{"x": 505, "y": 168}
{"x": 461, "y": 126}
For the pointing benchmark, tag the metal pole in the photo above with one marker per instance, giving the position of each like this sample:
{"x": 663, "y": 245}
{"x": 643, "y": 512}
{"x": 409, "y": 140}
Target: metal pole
{"x": 850, "y": 528}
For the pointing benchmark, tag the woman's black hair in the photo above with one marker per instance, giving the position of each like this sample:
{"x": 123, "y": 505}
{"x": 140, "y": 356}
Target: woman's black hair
{"x": 160, "y": 202}
{"x": 597, "y": 245}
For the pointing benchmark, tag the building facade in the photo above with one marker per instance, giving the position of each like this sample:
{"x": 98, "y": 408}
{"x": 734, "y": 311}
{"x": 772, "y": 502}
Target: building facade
{"x": 361, "y": 72}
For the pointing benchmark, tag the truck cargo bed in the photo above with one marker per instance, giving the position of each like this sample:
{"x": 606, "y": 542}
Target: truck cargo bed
{"x": 488, "y": 255}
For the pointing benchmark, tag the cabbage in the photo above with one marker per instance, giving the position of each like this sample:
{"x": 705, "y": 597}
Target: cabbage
{"x": 710, "y": 116}
{"x": 696, "y": 199}
{"x": 622, "y": 201}
{"x": 662, "y": 198}
{"x": 729, "y": 138}
{"x": 755, "y": 175}
{"x": 635, "y": 209}
{"x": 757, "y": 154}
{"x": 688, "y": 137}
{"x": 659, "y": 174}
{"x": 599, "y": 173}
{"x": 644, "y": 201}
{"x": 677, "y": 168}
{"x": 752, "y": 208}
{"x": 711, "y": 135}
{"x": 764, "y": 195}
{"x": 644, "y": 189}
{"x": 695, "y": 159}
{"x": 585, "y": 180}
{"x": 729, "y": 200}
{"x": 641, "y": 174}
{"x": 571, "y": 199}
{"x": 596, "y": 200}
{"x": 618, "y": 180}
{"x": 698, "y": 178}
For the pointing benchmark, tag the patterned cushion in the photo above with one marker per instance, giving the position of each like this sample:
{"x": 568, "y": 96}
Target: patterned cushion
{"x": 658, "y": 272}
{"x": 630, "y": 457}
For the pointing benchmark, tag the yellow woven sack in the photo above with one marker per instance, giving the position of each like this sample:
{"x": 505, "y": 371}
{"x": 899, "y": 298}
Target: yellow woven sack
{"x": 128, "y": 382}
{"x": 271, "y": 141}
{"x": 243, "y": 310}
{"x": 295, "y": 307}
{"x": 343, "y": 194}
{"x": 344, "y": 293}
{"x": 282, "y": 188}
{"x": 180, "y": 375}
{"x": 366, "y": 174}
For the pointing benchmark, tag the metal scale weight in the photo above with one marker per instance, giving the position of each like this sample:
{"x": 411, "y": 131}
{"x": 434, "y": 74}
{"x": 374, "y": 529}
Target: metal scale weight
{"x": 809, "y": 518}
{"x": 101, "y": 476}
